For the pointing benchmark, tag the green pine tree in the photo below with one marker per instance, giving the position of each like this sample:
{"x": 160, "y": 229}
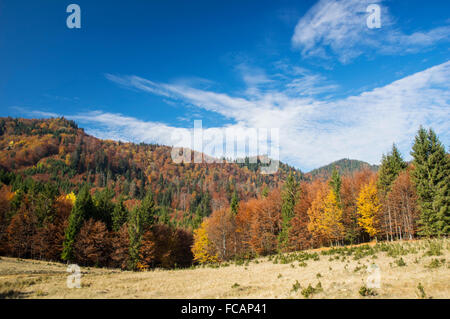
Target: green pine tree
{"x": 391, "y": 165}
{"x": 147, "y": 209}
{"x": 135, "y": 232}
{"x": 81, "y": 211}
{"x": 119, "y": 215}
{"x": 431, "y": 176}
{"x": 335, "y": 183}
{"x": 234, "y": 206}
{"x": 289, "y": 197}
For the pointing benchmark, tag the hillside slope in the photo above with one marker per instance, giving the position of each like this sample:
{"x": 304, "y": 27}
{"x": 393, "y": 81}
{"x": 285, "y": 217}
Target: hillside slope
{"x": 56, "y": 150}
{"x": 345, "y": 166}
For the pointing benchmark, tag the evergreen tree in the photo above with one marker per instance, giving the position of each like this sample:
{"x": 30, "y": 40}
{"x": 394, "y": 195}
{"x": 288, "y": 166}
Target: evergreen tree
{"x": 335, "y": 184}
{"x": 289, "y": 197}
{"x": 119, "y": 216}
{"x": 104, "y": 206}
{"x": 391, "y": 165}
{"x": 234, "y": 203}
{"x": 431, "y": 176}
{"x": 147, "y": 209}
{"x": 135, "y": 231}
{"x": 81, "y": 211}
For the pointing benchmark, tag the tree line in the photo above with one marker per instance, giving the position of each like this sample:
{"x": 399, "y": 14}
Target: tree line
{"x": 401, "y": 201}
{"x": 97, "y": 227}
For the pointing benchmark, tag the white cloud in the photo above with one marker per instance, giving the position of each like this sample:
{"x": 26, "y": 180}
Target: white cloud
{"x": 315, "y": 132}
{"x": 338, "y": 28}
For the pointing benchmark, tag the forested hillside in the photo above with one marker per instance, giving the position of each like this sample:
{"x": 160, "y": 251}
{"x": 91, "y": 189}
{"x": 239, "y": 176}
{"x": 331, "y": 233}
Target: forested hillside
{"x": 65, "y": 195}
{"x": 57, "y": 151}
{"x": 345, "y": 166}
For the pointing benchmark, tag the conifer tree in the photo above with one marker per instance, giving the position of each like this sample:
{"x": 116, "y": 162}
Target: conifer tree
{"x": 119, "y": 215}
{"x": 335, "y": 184}
{"x": 81, "y": 211}
{"x": 135, "y": 232}
{"x": 431, "y": 176}
{"x": 391, "y": 165}
{"x": 289, "y": 197}
{"x": 147, "y": 209}
{"x": 234, "y": 206}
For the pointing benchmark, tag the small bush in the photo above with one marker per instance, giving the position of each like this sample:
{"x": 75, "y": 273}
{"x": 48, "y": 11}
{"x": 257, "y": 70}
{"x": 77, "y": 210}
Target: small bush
{"x": 235, "y": 285}
{"x": 436, "y": 263}
{"x": 296, "y": 286}
{"x": 434, "y": 248}
{"x": 310, "y": 290}
{"x": 421, "y": 291}
{"x": 364, "y": 291}
{"x": 400, "y": 262}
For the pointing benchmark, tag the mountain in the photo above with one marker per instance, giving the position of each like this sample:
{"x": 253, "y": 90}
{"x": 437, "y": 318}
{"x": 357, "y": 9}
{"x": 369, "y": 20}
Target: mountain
{"x": 56, "y": 150}
{"x": 344, "y": 166}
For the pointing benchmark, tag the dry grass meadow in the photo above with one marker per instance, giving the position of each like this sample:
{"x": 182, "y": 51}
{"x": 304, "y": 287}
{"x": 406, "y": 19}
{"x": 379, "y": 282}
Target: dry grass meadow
{"x": 341, "y": 273}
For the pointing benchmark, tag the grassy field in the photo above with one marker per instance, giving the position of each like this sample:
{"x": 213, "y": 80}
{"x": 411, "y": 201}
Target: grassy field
{"x": 415, "y": 269}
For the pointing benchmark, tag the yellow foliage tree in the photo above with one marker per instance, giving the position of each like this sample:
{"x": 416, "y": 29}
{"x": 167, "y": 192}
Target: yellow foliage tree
{"x": 71, "y": 197}
{"x": 368, "y": 208}
{"x": 203, "y": 249}
{"x": 325, "y": 215}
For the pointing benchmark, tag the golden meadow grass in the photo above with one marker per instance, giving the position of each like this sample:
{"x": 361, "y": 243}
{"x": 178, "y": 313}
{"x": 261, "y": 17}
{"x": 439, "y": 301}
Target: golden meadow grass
{"x": 413, "y": 269}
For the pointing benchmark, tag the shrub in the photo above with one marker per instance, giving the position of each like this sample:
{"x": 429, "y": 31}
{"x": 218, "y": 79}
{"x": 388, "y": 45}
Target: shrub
{"x": 400, "y": 262}
{"x": 364, "y": 291}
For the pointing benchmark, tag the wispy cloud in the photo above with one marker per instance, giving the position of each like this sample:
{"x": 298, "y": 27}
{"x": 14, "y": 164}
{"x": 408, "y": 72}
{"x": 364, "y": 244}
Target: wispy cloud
{"x": 314, "y": 132}
{"x": 337, "y": 28}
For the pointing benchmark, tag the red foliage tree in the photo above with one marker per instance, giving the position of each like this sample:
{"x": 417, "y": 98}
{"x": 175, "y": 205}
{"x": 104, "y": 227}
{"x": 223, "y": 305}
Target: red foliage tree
{"x": 92, "y": 244}
{"x": 21, "y": 232}
{"x": 120, "y": 242}
{"x": 266, "y": 224}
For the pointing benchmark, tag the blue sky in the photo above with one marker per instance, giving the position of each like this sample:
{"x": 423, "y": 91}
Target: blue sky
{"x": 138, "y": 70}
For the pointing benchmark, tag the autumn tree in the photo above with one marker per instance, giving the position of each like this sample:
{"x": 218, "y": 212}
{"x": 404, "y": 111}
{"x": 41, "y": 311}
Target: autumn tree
{"x": 221, "y": 229}
{"x": 165, "y": 246}
{"x": 325, "y": 215}
{"x": 92, "y": 244}
{"x": 266, "y": 224}
{"x": 5, "y": 199}
{"x": 203, "y": 249}
{"x": 21, "y": 232}
{"x": 431, "y": 176}
{"x": 300, "y": 237}
{"x": 120, "y": 245}
{"x": 403, "y": 202}
{"x": 369, "y": 208}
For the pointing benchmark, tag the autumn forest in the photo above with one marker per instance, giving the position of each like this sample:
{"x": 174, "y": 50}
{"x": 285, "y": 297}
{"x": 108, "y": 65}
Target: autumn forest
{"x": 68, "y": 196}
